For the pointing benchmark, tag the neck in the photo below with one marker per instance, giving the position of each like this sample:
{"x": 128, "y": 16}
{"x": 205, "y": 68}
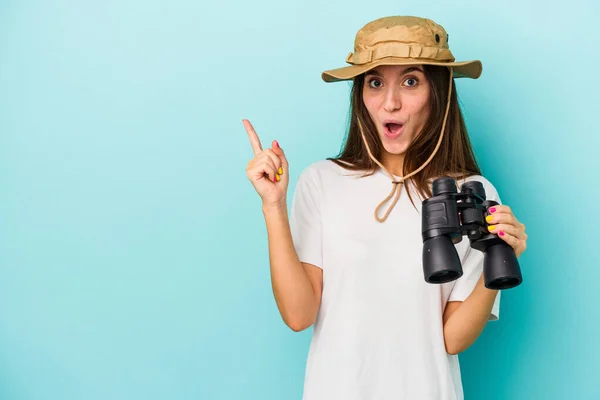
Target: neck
{"x": 393, "y": 163}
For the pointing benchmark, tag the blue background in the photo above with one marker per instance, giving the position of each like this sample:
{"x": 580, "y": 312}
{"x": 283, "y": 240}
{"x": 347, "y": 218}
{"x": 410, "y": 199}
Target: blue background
{"x": 133, "y": 258}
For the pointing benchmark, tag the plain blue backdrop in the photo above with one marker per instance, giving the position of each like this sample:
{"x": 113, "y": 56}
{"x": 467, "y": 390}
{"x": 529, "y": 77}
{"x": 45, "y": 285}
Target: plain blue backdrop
{"x": 133, "y": 253}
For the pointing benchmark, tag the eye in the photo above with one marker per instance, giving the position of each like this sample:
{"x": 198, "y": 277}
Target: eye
{"x": 412, "y": 81}
{"x": 374, "y": 83}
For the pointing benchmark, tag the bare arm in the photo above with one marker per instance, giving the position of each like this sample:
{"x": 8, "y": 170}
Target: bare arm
{"x": 464, "y": 321}
{"x": 297, "y": 286}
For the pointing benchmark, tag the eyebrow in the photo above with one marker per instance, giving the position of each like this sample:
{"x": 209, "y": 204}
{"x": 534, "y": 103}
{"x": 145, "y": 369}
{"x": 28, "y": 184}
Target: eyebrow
{"x": 406, "y": 71}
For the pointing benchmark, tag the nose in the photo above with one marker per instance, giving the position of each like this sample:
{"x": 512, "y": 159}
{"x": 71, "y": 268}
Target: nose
{"x": 392, "y": 101}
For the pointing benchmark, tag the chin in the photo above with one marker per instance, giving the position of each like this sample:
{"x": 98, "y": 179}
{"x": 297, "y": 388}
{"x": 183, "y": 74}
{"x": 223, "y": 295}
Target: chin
{"x": 395, "y": 148}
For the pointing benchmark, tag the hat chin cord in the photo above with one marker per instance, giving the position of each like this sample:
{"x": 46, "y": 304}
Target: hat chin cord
{"x": 397, "y": 184}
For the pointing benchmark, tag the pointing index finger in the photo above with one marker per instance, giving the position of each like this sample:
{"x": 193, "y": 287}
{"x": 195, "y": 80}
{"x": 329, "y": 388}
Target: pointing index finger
{"x": 254, "y": 140}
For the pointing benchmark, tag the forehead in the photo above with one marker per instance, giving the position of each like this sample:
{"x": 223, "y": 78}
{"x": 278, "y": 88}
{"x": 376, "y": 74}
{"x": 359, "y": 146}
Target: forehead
{"x": 394, "y": 69}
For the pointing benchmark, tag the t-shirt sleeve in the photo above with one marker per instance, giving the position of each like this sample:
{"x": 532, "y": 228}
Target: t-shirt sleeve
{"x": 472, "y": 264}
{"x": 305, "y": 219}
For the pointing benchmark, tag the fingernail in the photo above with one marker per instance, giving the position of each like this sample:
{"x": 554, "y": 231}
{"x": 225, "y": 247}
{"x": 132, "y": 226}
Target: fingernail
{"x": 277, "y": 177}
{"x": 493, "y": 209}
{"x": 489, "y": 218}
{"x": 276, "y": 143}
{"x": 492, "y": 227}
{"x": 280, "y": 171}
{"x": 501, "y": 233}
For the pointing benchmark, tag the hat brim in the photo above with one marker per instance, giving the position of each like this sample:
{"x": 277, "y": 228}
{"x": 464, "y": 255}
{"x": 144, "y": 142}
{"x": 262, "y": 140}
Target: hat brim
{"x": 465, "y": 69}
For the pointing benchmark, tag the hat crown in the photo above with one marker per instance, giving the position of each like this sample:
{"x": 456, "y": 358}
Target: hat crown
{"x": 401, "y": 40}
{"x": 401, "y": 37}
{"x": 403, "y": 29}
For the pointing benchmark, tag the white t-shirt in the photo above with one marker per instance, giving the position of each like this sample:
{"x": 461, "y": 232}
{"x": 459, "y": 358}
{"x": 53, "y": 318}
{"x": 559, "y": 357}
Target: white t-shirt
{"x": 378, "y": 333}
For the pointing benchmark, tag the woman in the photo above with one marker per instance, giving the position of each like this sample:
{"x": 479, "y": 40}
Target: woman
{"x": 381, "y": 331}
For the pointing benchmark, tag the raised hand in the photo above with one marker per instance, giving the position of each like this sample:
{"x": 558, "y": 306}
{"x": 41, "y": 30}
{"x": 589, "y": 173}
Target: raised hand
{"x": 268, "y": 170}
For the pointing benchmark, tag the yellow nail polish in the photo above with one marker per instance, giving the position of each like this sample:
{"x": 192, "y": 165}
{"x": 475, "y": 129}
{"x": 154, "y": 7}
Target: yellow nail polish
{"x": 277, "y": 177}
{"x": 280, "y": 171}
{"x": 492, "y": 227}
{"x": 489, "y": 218}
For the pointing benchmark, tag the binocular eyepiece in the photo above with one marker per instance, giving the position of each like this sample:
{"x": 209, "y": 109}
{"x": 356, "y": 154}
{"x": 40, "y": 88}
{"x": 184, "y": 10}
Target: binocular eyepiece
{"x": 448, "y": 216}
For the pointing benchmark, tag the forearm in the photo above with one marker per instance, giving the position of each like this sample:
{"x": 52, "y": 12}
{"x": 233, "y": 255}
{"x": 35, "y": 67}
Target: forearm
{"x": 292, "y": 288}
{"x": 467, "y": 322}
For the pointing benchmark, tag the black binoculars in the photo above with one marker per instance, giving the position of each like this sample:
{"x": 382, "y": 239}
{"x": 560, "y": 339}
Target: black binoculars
{"x": 448, "y": 216}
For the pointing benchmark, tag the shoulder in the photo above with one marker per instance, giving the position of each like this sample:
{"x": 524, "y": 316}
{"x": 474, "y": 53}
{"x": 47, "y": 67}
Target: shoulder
{"x": 316, "y": 167}
{"x": 324, "y": 176}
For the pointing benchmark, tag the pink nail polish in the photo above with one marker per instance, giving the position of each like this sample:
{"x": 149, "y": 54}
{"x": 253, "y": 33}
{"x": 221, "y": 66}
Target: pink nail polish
{"x": 501, "y": 233}
{"x": 274, "y": 179}
{"x": 493, "y": 209}
{"x": 276, "y": 143}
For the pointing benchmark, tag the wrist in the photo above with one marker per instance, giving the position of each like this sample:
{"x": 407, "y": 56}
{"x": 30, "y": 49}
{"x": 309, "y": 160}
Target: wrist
{"x": 275, "y": 208}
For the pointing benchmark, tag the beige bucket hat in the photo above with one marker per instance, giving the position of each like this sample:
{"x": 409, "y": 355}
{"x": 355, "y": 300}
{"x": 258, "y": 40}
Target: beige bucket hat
{"x": 402, "y": 40}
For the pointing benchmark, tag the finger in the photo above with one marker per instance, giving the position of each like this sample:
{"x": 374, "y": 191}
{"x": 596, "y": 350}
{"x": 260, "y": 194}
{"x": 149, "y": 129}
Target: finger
{"x": 276, "y": 160}
{"x": 281, "y": 154}
{"x": 270, "y": 169}
{"x": 500, "y": 209}
{"x": 518, "y": 245}
{"x": 261, "y": 168}
{"x": 506, "y": 228}
{"x": 501, "y": 218}
{"x": 254, "y": 140}
{"x": 273, "y": 156}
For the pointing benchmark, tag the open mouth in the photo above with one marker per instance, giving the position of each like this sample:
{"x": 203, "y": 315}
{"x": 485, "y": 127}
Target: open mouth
{"x": 393, "y": 129}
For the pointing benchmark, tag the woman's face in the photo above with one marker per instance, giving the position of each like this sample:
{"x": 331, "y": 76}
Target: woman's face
{"x": 397, "y": 98}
